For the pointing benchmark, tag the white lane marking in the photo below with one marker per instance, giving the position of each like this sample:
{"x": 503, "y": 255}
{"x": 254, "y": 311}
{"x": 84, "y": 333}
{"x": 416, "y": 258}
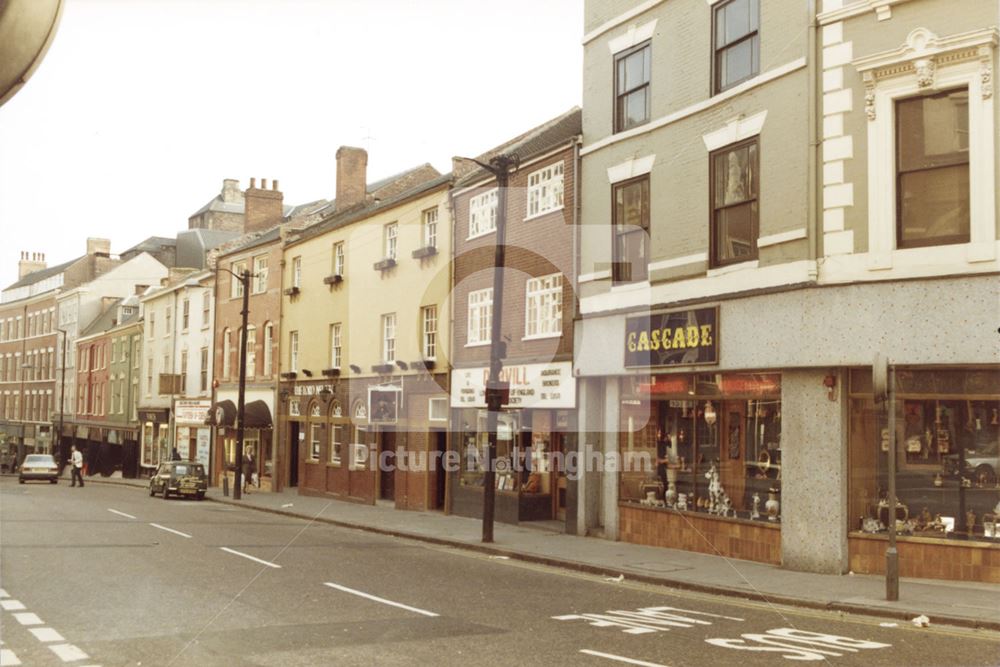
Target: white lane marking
{"x": 120, "y": 513}
{"x": 7, "y": 657}
{"x": 378, "y": 599}
{"x": 28, "y": 619}
{"x": 68, "y": 652}
{"x": 619, "y": 658}
{"x": 12, "y": 605}
{"x": 3, "y": 593}
{"x": 257, "y": 560}
{"x": 47, "y": 635}
{"x": 170, "y": 530}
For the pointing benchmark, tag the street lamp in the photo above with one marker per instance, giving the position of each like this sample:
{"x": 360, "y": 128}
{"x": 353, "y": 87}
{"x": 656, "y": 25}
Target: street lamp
{"x": 62, "y": 401}
{"x": 501, "y": 166}
{"x": 238, "y": 476}
{"x": 25, "y": 367}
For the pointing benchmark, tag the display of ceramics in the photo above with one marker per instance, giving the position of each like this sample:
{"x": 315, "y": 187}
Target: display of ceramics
{"x": 938, "y": 480}
{"x": 682, "y": 501}
{"x": 772, "y": 506}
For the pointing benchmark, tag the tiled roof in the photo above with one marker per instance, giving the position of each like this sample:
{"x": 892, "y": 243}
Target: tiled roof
{"x": 42, "y": 274}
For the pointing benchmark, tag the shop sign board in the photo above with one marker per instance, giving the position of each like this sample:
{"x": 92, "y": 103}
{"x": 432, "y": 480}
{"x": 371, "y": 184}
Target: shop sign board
{"x": 383, "y": 404}
{"x": 191, "y": 411}
{"x": 204, "y": 440}
{"x": 549, "y": 385}
{"x": 678, "y": 338}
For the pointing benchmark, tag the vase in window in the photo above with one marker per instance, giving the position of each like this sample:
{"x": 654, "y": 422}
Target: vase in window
{"x": 755, "y": 512}
{"x": 772, "y": 505}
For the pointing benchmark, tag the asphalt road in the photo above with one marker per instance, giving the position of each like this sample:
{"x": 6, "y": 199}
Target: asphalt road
{"x": 106, "y": 575}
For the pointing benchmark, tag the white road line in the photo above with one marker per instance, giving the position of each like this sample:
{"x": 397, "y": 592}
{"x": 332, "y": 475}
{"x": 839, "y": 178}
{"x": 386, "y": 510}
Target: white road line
{"x": 257, "y": 560}
{"x": 68, "y": 652}
{"x": 7, "y": 657}
{"x": 129, "y": 516}
{"x": 3, "y": 593}
{"x": 170, "y": 530}
{"x": 619, "y": 658}
{"x": 12, "y": 605}
{"x": 47, "y": 635}
{"x": 378, "y": 599}
{"x": 28, "y": 619}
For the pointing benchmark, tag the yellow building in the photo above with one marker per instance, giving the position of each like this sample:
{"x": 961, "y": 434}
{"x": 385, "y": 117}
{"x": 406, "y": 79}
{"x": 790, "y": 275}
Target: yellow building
{"x": 364, "y": 339}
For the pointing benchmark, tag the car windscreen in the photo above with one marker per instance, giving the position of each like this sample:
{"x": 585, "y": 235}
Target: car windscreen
{"x": 38, "y": 460}
{"x": 189, "y": 470}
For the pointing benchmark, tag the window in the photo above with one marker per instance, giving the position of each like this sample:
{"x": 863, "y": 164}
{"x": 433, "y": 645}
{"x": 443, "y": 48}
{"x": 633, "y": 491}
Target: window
{"x": 480, "y": 316}
{"x": 236, "y": 285}
{"x": 315, "y": 436}
{"x": 184, "y": 372}
{"x": 389, "y": 337}
{"x": 260, "y": 275}
{"x": 227, "y": 349}
{"x": 251, "y": 351}
{"x": 335, "y": 346}
{"x": 430, "y": 227}
{"x": 336, "y": 443}
{"x": 543, "y": 296}
{"x": 166, "y": 328}
{"x": 631, "y": 230}
{"x": 437, "y": 409}
{"x": 632, "y": 69}
{"x": 734, "y": 203}
{"x": 268, "y": 344}
{"x": 338, "y": 259}
{"x": 391, "y": 232}
{"x": 429, "y": 319}
{"x": 297, "y": 271}
{"x": 545, "y": 190}
{"x": 203, "y": 371}
{"x": 152, "y": 324}
{"x": 149, "y": 376}
{"x": 206, "y": 308}
{"x": 932, "y": 169}
{"x": 483, "y": 213}
{"x": 185, "y": 314}
{"x": 293, "y": 351}
{"x": 736, "y": 42}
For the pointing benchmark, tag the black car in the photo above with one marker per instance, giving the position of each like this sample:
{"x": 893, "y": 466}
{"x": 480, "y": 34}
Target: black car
{"x": 183, "y": 478}
{"x": 39, "y": 466}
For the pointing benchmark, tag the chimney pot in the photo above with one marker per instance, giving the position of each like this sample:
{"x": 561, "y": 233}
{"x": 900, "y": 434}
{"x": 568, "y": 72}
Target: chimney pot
{"x": 253, "y": 183}
{"x": 274, "y": 184}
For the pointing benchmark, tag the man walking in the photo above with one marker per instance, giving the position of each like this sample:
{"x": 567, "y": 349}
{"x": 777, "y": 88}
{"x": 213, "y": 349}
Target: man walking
{"x": 76, "y": 459}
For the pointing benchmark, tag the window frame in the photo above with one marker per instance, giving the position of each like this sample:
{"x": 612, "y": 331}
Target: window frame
{"x": 619, "y": 121}
{"x": 713, "y": 234}
{"x": 336, "y": 345}
{"x": 428, "y": 226}
{"x": 535, "y": 302}
{"x": 338, "y": 259}
{"x": 297, "y": 271}
{"x": 260, "y": 273}
{"x": 483, "y": 205}
{"x": 429, "y": 332}
{"x": 483, "y": 319}
{"x": 235, "y": 283}
{"x": 753, "y": 34}
{"x": 267, "y": 369}
{"x": 543, "y": 188}
{"x": 390, "y": 237}
{"x": 389, "y": 334}
{"x": 617, "y": 230}
{"x": 293, "y": 351}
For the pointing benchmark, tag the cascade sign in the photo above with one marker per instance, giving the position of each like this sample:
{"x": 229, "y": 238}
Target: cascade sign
{"x": 680, "y": 338}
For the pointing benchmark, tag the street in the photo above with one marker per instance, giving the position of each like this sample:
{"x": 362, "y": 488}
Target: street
{"x": 106, "y": 575}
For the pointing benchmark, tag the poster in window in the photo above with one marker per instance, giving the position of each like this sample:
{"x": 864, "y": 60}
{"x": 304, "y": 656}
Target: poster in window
{"x": 383, "y": 405}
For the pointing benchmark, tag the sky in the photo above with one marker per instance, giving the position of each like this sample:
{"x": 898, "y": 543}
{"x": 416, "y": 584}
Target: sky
{"x": 142, "y": 107}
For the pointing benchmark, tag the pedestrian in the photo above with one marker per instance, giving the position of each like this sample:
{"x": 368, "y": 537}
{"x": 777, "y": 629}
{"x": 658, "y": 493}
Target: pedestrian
{"x": 248, "y": 468}
{"x": 76, "y": 458}
{"x": 175, "y": 455}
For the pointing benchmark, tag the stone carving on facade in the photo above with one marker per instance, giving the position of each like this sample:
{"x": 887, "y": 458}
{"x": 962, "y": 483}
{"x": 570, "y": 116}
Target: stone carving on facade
{"x": 924, "y": 68}
{"x": 986, "y": 73}
{"x": 869, "y": 79}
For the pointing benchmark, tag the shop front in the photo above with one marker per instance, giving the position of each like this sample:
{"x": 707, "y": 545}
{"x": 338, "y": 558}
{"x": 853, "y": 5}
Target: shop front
{"x": 535, "y": 432}
{"x": 155, "y": 443}
{"x": 258, "y": 441}
{"x": 192, "y": 436}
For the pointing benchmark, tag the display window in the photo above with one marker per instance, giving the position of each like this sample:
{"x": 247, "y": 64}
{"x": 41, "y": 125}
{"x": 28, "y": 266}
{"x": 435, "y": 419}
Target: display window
{"x": 947, "y": 454}
{"x": 703, "y": 443}
{"x": 523, "y": 462}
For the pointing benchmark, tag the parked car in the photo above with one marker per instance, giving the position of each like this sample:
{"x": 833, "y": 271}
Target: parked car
{"x": 39, "y": 466}
{"x": 183, "y": 478}
{"x": 981, "y": 464}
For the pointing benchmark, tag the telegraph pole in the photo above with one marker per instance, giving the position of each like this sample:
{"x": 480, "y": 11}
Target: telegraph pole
{"x": 62, "y": 401}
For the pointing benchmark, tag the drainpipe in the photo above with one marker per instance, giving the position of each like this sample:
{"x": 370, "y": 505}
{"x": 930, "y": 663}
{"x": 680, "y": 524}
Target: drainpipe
{"x": 813, "y": 121}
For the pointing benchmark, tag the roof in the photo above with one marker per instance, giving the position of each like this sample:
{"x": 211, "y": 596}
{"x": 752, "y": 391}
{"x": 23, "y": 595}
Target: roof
{"x": 42, "y": 274}
{"x": 216, "y": 204}
{"x": 373, "y": 188}
{"x": 104, "y": 321}
{"x": 151, "y": 243}
{"x": 536, "y": 141}
{"x": 252, "y": 240}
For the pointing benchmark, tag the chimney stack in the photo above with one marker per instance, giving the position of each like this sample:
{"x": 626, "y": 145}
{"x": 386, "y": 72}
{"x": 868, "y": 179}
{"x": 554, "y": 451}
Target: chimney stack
{"x": 352, "y": 174}
{"x": 29, "y": 263}
{"x": 263, "y": 208}
{"x": 98, "y": 246}
{"x": 231, "y": 191}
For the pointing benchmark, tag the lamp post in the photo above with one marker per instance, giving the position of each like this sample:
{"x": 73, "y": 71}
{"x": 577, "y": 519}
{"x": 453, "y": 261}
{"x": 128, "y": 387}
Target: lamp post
{"x": 62, "y": 400}
{"x": 501, "y": 166}
{"x": 241, "y": 396}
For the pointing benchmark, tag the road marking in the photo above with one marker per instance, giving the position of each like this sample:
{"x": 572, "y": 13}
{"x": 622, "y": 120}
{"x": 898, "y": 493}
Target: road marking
{"x": 28, "y": 619}
{"x": 7, "y": 657}
{"x": 257, "y": 560}
{"x": 47, "y": 635}
{"x": 68, "y": 652}
{"x": 12, "y": 605}
{"x": 620, "y": 658}
{"x": 120, "y": 513}
{"x": 170, "y": 530}
{"x": 3, "y": 593}
{"x": 795, "y": 644}
{"x": 378, "y": 599}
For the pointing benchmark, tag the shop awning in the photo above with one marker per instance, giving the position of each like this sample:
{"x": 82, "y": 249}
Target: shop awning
{"x": 222, "y": 414}
{"x": 257, "y": 415}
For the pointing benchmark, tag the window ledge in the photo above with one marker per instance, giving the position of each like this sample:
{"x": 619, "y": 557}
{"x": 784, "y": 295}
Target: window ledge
{"x": 544, "y": 213}
{"x": 477, "y": 344}
{"x": 542, "y": 336}
{"x": 479, "y": 236}
{"x": 631, "y": 287}
{"x": 732, "y": 268}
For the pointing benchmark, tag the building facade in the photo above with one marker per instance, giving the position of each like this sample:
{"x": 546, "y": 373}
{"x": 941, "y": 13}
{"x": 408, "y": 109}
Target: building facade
{"x": 537, "y": 425}
{"x": 725, "y": 216}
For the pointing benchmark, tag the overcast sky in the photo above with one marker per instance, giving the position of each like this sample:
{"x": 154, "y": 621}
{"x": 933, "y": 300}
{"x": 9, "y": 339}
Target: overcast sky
{"x": 142, "y": 107}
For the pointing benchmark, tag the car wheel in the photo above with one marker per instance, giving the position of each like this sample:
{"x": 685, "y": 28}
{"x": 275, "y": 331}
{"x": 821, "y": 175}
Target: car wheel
{"x": 20, "y": 480}
{"x": 53, "y": 481}
{"x": 152, "y": 491}
{"x": 201, "y": 495}
{"x": 985, "y": 475}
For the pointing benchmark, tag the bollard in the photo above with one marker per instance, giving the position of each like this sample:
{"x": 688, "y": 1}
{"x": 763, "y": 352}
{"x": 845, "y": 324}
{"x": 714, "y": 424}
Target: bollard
{"x": 225, "y": 486}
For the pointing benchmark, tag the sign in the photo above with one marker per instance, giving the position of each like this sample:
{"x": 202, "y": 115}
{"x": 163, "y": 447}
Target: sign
{"x": 680, "y": 338}
{"x": 383, "y": 404}
{"x": 204, "y": 440}
{"x": 311, "y": 389}
{"x": 191, "y": 412}
{"x": 549, "y": 385}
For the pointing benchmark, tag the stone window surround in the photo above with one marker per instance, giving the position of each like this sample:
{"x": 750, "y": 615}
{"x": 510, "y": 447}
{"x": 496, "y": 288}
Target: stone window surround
{"x": 928, "y": 63}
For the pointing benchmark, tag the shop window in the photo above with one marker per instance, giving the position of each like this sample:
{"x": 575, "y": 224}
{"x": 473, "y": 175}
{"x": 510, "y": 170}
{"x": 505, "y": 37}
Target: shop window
{"x": 705, "y": 443}
{"x": 315, "y": 441}
{"x": 336, "y": 443}
{"x": 947, "y": 454}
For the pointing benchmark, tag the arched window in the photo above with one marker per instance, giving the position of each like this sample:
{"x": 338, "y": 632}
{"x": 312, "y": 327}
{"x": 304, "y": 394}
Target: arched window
{"x": 266, "y": 369}
{"x": 227, "y": 345}
{"x": 251, "y": 351}
{"x": 361, "y": 437}
{"x": 339, "y": 425}
{"x": 315, "y": 431}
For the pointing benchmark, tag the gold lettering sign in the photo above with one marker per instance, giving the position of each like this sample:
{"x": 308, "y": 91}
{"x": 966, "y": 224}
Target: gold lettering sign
{"x": 680, "y": 338}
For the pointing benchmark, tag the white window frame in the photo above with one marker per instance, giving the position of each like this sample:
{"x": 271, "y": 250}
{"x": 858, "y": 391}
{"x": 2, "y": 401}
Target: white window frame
{"x": 185, "y": 316}
{"x": 908, "y": 71}
{"x": 391, "y": 235}
{"x": 389, "y": 338}
{"x": 432, "y": 404}
{"x": 236, "y": 284}
{"x": 227, "y": 348}
{"x": 267, "y": 370}
{"x": 251, "y": 343}
{"x": 545, "y": 190}
{"x": 336, "y": 343}
{"x": 429, "y": 332}
{"x": 315, "y": 441}
{"x": 429, "y": 225}
{"x": 483, "y": 213}
{"x": 259, "y": 275}
{"x": 480, "y": 317}
{"x": 338, "y": 259}
{"x": 297, "y": 271}
{"x": 206, "y": 309}
{"x": 335, "y": 453}
{"x": 293, "y": 351}
{"x": 542, "y": 300}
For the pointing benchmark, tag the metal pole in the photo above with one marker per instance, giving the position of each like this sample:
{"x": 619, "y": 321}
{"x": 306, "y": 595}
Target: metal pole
{"x": 891, "y": 554}
{"x": 62, "y": 401}
{"x": 238, "y": 477}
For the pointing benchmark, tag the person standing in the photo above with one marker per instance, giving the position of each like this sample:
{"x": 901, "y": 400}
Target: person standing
{"x": 76, "y": 459}
{"x": 248, "y": 469}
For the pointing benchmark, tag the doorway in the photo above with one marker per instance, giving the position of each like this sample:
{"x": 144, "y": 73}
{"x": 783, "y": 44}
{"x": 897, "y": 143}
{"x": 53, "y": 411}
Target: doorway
{"x": 387, "y": 465}
{"x": 293, "y": 454}
{"x": 438, "y": 447}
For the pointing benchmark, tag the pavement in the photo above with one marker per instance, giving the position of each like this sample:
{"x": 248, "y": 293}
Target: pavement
{"x": 964, "y": 604}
